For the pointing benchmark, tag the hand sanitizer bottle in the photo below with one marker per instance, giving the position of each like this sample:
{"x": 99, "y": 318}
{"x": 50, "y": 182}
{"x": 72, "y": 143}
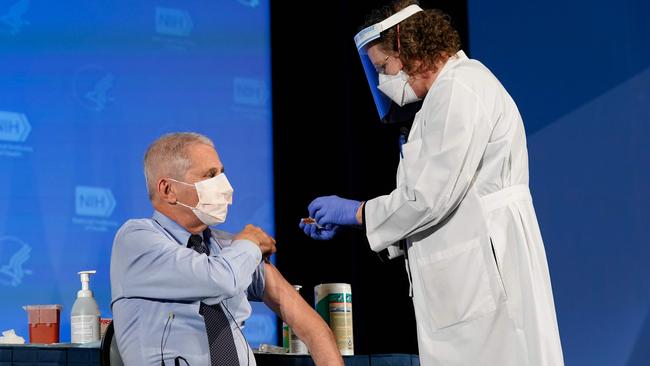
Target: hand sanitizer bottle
{"x": 84, "y": 320}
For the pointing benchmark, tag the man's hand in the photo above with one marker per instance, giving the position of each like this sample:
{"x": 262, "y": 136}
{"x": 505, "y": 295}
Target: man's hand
{"x": 259, "y": 238}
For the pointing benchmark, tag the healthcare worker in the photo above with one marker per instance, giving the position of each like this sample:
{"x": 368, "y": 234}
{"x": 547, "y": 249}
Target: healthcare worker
{"x": 462, "y": 209}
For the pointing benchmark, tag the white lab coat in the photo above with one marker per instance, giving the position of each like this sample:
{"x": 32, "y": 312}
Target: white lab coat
{"x": 480, "y": 281}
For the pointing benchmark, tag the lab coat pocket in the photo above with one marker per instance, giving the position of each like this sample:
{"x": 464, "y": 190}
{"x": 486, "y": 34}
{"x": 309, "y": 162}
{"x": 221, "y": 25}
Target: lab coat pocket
{"x": 410, "y": 166}
{"x": 456, "y": 284}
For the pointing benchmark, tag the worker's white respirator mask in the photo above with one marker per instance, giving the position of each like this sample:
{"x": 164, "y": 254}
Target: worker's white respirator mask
{"x": 397, "y": 88}
{"x": 215, "y": 194}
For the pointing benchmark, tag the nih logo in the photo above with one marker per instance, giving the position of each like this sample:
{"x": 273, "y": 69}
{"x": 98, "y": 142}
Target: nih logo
{"x": 94, "y": 201}
{"x": 14, "y": 127}
{"x": 173, "y": 22}
{"x": 251, "y": 92}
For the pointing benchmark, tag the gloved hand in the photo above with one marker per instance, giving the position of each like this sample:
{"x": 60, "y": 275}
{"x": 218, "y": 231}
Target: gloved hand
{"x": 334, "y": 210}
{"x": 327, "y": 232}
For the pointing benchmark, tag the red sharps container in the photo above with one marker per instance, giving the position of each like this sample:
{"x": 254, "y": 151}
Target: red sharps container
{"x": 43, "y": 323}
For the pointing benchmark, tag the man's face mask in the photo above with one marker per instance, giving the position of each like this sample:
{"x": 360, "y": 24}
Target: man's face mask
{"x": 215, "y": 194}
{"x": 397, "y": 88}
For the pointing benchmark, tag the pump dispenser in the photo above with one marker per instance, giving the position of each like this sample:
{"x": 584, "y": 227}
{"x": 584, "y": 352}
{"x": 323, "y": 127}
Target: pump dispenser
{"x": 84, "y": 320}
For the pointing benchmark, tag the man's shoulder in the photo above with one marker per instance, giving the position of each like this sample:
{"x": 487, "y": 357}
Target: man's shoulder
{"x": 138, "y": 224}
{"x": 133, "y": 225}
{"x": 139, "y": 234}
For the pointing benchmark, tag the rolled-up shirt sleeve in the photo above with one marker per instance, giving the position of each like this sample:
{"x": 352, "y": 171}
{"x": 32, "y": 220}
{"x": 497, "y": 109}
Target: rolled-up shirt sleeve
{"x": 255, "y": 291}
{"x": 147, "y": 264}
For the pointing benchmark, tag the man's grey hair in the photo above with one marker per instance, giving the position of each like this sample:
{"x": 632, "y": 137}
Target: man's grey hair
{"x": 168, "y": 157}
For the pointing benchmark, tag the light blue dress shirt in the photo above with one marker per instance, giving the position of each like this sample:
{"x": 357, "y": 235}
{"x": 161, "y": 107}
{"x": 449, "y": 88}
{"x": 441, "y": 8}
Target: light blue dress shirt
{"x": 156, "y": 278}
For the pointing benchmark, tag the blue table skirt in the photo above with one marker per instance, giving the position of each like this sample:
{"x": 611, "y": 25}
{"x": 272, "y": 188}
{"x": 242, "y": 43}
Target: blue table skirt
{"x": 72, "y": 355}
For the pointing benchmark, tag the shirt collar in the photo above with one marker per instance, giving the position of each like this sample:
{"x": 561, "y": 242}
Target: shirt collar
{"x": 179, "y": 233}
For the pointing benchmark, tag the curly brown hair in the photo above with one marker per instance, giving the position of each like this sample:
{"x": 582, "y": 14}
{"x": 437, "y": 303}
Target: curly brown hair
{"x": 424, "y": 38}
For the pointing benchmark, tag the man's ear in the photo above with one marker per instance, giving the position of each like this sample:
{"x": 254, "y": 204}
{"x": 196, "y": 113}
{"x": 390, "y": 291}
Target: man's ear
{"x": 166, "y": 191}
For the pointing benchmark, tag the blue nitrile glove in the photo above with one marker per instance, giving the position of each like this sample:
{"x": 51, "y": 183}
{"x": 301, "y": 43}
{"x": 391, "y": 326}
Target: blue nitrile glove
{"x": 327, "y": 232}
{"x": 334, "y": 210}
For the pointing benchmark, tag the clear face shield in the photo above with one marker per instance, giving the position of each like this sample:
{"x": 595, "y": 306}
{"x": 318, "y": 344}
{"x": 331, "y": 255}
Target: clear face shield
{"x": 392, "y": 95}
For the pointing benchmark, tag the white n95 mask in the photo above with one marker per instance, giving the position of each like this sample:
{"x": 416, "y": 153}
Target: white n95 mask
{"x": 215, "y": 194}
{"x": 397, "y": 88}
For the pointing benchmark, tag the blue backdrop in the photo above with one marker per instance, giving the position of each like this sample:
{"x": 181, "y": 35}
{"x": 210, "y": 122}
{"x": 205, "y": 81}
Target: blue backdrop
{"x": 580, "y": 74}
{"x": 86, "y": 86}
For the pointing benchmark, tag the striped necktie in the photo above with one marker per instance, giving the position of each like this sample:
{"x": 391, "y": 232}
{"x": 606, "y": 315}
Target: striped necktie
{"x": 222, "y": 345}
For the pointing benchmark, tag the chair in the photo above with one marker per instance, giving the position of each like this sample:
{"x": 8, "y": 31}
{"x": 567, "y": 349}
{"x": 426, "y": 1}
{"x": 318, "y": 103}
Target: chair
{"x": 108, "y": 352}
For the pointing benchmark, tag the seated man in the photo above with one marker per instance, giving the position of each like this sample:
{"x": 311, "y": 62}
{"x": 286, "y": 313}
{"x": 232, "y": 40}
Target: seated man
{"x": 181, "y": 289}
